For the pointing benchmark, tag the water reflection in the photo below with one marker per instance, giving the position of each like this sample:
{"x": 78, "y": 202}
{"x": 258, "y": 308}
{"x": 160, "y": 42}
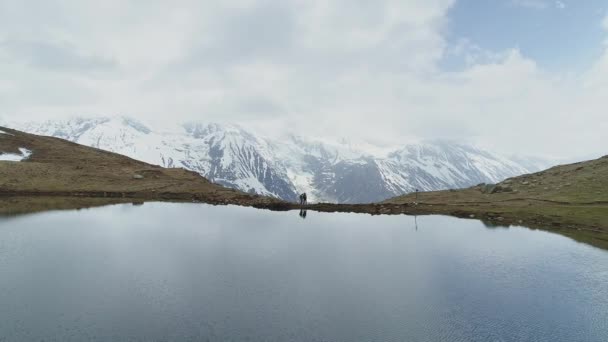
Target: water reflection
{"x": 11, "y": 206}
{"x": 18, "y": 206}
{"x": 181, "y": 272}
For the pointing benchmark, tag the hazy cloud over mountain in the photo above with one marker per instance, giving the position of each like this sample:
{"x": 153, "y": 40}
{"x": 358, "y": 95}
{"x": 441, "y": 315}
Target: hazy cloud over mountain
{"x": 382, "y": 70}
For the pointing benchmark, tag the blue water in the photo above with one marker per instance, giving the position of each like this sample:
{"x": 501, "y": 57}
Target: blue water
{"x": 190, "y": 272}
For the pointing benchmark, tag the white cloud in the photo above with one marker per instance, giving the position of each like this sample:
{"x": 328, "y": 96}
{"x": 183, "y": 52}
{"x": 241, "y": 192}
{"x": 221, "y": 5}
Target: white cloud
{"x": 534, "y": 4}
{"x": 538, "y": 4}
{"x": 340, "y": 68}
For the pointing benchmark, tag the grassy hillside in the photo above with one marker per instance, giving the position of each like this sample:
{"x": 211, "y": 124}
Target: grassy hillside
{"x": 60, "y": 167}
{"x": 572, "y": 199}
{"x": 579, "y": 183}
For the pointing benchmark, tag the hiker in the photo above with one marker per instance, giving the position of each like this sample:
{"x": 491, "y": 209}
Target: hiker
{"x": 303, "y": 200}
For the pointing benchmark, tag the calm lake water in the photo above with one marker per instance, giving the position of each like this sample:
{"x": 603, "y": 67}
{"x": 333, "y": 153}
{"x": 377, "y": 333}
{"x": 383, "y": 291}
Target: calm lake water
{"x": 181, "y": 272}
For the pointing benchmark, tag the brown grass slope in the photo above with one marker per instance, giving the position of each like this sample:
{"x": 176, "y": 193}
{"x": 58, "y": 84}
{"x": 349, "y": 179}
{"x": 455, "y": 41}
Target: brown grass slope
{"x": 579, "y": 183}
{"x": 59, "y": 167}
{"x": 566, "y": 196}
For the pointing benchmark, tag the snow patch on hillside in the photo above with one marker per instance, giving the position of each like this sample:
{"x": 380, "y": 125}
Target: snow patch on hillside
{"x": 25, "y": 153}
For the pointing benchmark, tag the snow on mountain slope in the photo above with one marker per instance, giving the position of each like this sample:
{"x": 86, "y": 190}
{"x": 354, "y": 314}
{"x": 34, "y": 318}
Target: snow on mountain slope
{"x": 308, "y": 161}
{"x": 327, "y": 170}
{"x": 441, "y": 165}
{"x": 452, "y": 165}
{"x": 240, "y": 159}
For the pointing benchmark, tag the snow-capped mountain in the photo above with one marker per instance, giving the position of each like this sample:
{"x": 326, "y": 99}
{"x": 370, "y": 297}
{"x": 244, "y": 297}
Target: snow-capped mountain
{"x": 326, "y": 170}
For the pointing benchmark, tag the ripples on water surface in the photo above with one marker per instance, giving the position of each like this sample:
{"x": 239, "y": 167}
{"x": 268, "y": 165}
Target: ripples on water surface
{"x": 167, "y": 272}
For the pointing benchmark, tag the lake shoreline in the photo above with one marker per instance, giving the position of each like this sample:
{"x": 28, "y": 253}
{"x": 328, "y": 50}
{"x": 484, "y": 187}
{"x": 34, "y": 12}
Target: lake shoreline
{"x": 489, "y": 211}
{"x": 567, "y": 198}
{"x": 528, "y": 213}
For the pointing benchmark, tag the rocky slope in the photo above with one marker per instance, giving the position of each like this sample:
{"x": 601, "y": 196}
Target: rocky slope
{"x": 328, "y": 171}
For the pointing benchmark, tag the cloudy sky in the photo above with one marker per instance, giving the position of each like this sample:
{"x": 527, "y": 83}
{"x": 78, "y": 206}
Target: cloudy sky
{"x": 516, "y": 76}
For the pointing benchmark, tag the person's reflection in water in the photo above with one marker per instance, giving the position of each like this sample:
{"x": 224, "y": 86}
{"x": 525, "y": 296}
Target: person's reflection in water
{"x": 303, "y": 213}
{"x": 416, "y": 222}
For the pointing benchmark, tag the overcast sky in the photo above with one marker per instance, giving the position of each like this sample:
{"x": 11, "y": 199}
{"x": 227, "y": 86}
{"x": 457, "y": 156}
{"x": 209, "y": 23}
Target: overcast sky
{"x": 516, "y": 76}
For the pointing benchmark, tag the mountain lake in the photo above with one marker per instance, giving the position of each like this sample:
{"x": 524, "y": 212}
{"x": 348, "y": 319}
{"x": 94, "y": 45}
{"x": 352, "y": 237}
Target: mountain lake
{"x": 194, "y": 272}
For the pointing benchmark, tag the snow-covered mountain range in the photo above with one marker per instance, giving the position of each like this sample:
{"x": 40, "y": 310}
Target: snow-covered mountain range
{"x": 327, "y": 171}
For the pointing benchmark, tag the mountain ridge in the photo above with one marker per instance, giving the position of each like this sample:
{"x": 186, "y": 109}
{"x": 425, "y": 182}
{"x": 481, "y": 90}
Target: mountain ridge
{"x": 341, "y": 172}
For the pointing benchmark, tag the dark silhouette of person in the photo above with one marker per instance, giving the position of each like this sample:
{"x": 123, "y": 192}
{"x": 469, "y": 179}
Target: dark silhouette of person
{"x": 303, "y": 199}
{"x": 303, "y": 213}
